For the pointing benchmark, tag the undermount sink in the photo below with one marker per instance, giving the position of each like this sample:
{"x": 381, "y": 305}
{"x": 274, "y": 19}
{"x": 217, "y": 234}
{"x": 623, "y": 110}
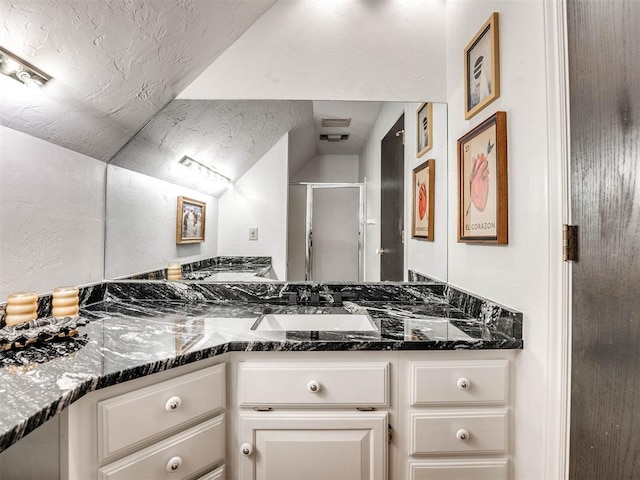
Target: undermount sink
{"x": 315, "y": 322}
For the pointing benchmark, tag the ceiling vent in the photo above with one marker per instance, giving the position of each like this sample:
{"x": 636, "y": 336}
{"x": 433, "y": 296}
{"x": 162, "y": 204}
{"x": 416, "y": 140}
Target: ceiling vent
{"x": 334, "y": 137}
{"x": 335, "y": 122}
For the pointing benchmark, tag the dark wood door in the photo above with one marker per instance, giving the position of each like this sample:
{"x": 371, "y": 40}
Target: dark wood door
{"x": 392, "y": 198}
{"x": 604, "y": 76}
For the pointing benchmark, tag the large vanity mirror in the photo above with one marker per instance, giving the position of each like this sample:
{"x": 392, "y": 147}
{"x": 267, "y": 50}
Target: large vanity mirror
{"x": 321, "y": 189}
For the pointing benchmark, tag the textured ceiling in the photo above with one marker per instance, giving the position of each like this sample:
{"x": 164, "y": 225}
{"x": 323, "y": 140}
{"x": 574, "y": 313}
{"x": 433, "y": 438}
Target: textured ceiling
{"x": 227, "y": 135}
{"x": 114, "y": 63}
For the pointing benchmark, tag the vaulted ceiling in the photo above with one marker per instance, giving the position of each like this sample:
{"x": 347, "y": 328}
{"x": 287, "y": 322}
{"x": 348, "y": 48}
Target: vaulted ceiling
{"x": 115, "y": 63}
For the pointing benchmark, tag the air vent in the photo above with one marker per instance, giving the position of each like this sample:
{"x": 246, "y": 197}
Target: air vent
{"x": 334, "y": 137}
{"x": 335, "y": 122}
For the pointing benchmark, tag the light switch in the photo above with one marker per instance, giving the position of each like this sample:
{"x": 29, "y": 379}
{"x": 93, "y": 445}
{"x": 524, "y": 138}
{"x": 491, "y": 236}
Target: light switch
{"x": 253, "y": 233}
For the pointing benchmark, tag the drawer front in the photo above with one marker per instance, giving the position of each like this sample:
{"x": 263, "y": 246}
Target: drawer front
{"x": 313, "y": 384}
{"x": 217, "y": 474}
{"x": 481, "y": 431}
{"x": 459, "y": 470}
{"x": 135, "y": 417}
{"x": 180, "y": 456}
{"x": 465, "y": 383}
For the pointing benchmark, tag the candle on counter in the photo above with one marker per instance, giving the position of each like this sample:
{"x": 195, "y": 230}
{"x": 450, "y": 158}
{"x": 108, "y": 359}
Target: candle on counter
{"x": 21, "y": 307}
{"x": 174, "y": 271}
{"x": 65, "y": 302}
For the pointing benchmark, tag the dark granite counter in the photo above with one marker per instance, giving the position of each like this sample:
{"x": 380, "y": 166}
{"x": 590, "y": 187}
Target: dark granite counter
{"x": 140, "y": 328}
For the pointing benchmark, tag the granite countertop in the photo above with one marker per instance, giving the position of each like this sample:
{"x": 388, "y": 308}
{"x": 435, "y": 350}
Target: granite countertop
{"x": 140, "y": 328}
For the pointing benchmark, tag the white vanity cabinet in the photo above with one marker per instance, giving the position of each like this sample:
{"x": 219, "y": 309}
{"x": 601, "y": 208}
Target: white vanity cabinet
{"x": 313, "y": 420}
{"x": 456, "y": 414}
{"x": 166, "y": 426}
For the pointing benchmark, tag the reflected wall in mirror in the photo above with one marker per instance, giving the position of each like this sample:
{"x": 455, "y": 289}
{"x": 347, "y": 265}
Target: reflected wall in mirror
{"x": 296, "y": 182}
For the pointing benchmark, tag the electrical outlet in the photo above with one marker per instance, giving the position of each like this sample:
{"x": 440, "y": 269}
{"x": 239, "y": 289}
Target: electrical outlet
{"x": 253, "y": 233}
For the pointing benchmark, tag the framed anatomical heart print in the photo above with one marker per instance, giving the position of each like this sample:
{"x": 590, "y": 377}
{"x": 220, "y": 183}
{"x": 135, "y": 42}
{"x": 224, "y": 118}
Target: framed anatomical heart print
{"x": 423, "y": 200}
{"x": 482, "y": 183}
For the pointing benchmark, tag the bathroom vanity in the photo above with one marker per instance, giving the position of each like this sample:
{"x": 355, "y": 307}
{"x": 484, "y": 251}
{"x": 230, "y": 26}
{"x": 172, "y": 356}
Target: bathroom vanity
{"x": 177, "y": 380}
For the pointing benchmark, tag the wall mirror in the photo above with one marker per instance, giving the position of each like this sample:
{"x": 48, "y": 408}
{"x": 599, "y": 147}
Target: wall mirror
{"x": 310, "y": 184}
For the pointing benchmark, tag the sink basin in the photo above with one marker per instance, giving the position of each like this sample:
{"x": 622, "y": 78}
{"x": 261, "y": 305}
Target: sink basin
{"x": 315, "y": 322}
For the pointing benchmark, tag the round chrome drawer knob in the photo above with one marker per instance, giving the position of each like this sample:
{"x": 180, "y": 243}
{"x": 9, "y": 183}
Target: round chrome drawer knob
{"x": 174, "y": 464}
{"x": 464, "y": 383}
{"x": 173, "y": 404}
{"x": 462, "y": 435}
{"x": 313, "y": 386}
{"x": 246, "y": 449}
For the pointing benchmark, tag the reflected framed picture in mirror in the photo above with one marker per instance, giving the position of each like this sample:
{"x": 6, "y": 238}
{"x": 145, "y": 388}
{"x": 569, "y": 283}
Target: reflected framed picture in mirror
{"x": 423, "y": 200}
{"x": 482, "y": 68}
{"x": 482, "y": 183}
{"x": 424, "y": 119}
{"x": 190, "y": 220}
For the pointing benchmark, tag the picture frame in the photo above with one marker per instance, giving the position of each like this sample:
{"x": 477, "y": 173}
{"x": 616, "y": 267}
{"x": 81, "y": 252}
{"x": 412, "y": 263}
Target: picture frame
{"x": 423, "y": 200}
{"x": 482, "y": 68}
{"x": 482, "y": 183}
{"x": 190, "y": 220}
{"x": 424, "y": 132}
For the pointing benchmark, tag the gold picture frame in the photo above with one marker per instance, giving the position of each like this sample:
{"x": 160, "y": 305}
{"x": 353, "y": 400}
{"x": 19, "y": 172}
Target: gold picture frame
{"x": 482, "y": 68}
{"x": 482, "y": 183}
{"x": 424, "y": 131}
{"x": 423, "y": 200}
{"x": 190, "y": 220}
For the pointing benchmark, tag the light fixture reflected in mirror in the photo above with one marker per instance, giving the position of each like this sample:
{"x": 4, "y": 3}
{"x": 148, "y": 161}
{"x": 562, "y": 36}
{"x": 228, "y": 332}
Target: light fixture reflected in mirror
{"x": 22, "y": 71}
{"x": 203, "y": 169}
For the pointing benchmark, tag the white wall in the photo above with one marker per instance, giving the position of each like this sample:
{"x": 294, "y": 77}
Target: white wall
{"x": 51, "y": 215}
{"x": 258, "y": 199}
{"x": 516, "y": 274}
{"x": 428, "y": 257}
{"x": 329, "y": 168}
{"x": 141, "y": 224}
{"x": 335, "y": 49}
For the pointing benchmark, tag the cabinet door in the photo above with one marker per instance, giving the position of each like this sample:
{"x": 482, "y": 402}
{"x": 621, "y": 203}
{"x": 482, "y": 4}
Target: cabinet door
{"x": 313, "y": 446}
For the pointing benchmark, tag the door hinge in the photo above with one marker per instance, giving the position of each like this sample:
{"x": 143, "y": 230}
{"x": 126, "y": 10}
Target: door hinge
{"x": 570, "y": 243}
{"x": 400, "y": 132}
{"x": 389, "y": 433}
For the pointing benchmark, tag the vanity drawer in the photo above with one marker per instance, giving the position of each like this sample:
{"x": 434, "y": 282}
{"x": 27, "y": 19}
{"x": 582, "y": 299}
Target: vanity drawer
{"x": 144, "y": 414}
{"x": 217, "y": 474}
{"x": 180, "y": 456}
{"x": 459, "y": 470}
{"x": 464, "y": 431}
{"x": 303, "y": 384}
{"x": 465, "y": 383}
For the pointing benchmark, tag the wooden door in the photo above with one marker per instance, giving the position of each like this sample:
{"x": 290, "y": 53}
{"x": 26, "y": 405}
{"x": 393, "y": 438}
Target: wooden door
{"x": 313, "y": 446}
{"x": 604, "y": 77}
{"x": 392, "y": 200}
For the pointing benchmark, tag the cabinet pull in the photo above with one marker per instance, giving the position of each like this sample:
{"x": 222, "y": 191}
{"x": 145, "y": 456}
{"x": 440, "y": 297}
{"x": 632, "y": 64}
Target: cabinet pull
{"x": 464, "y": 383}
{"x": 173, "y": 464}
{"x": 246, "y": 449}
{"x": 313, "y": 386}
{"x": 462, "y": 435}
{"x": 173, "y": 404}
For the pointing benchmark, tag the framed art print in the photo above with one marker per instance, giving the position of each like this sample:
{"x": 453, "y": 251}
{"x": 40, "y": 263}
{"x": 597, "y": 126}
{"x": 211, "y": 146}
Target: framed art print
{"x": 482, "y": 182}
{"x": 424, "y": 118}
{"x": 423, "y": 200}
{"x": 190, "y": 221}
{"x": 482, "y": 68}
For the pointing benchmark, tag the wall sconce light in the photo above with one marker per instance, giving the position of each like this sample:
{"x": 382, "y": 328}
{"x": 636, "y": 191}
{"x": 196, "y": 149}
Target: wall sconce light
{"x": 202, "y": 168}
{"x": 22, "y": 71}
